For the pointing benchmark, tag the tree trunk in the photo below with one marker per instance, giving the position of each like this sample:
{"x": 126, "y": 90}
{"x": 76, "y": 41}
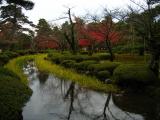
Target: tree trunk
{"x": 154, "y": 63}
{"x": 73, "y": 42}
{"x": 108, "y": 45}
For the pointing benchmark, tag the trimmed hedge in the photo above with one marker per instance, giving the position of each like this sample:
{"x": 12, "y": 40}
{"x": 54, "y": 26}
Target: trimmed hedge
{"x": 102, "y": 56}
{"x": 103, "y": 75}
{"x": 6, "y": 56}
{"x": 5, "y": 72}
{"x": 107, "y": 65}
{"x": 84, "y": 64}
{"x": 131, "y": 75}
{"x": 68, "y": 63}
{"x": 58, "y": 57}
{"x": 13, "y": 95}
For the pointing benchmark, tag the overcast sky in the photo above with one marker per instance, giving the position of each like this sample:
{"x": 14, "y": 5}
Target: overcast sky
{"x": 53, "y": 9}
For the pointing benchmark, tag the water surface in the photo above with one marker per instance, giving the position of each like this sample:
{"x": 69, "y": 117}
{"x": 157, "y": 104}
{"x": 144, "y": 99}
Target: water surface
{"x": 55, "y": 99}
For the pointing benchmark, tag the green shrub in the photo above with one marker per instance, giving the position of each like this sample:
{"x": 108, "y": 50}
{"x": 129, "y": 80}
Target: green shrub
{"x": 84, "y": 52}
{"x": 103, "y": 75}
{"x": 6, "y": 72}
{"x": 102, "y": 56}
{"x": 13, "y": 95}
{"x": 58, "y": 57}
{"x": 68, "y": 63}
{"x": 1, "y": 63}
{"x": 11, "y": 54}
{"x": 26, "y": 52}
{"x": 6, "y": 56}
{"x": 84, "y": 64}
{"x": 133, "y": 75}
{"x": 78, "y": 58}
{"x": 3, "y": 59}
{"x": 107, "y": 65}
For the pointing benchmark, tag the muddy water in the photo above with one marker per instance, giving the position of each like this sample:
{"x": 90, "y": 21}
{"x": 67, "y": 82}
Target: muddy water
{"x": 55, "y": 99}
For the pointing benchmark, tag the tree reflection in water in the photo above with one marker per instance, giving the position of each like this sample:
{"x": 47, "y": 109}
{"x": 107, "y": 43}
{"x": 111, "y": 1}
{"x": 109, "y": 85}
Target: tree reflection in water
{"x": 106, "y": 114}
{"x": 70, "y": 92}
{"x": 42, "y": 76}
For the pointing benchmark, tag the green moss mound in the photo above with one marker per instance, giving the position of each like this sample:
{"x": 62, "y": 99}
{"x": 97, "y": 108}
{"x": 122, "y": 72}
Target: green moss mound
{"x": 131, "y": 75}
{"x": 13, "y": 95}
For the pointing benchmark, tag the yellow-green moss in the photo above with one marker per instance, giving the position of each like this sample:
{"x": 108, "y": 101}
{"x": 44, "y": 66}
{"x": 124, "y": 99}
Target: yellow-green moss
{"x": 67, "y": 74}
{"x": 16, "y": 65}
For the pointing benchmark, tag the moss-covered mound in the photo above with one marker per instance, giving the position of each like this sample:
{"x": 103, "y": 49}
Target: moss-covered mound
{"x": 131, "y": 75}
{"x": 13, "y": 95}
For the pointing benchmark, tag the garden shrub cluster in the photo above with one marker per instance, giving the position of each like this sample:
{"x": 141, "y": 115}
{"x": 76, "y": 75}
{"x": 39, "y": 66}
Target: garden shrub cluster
{"x": 85, "y": 63}
{"x": 58, "y": 58}
{"x": 103, "y": 74}
{"x": 6, "y": 56}
{"x": 68, "y": 63}
{"x": 137, "y": 48}
{"x": 133, "y": 75}
{"x": 125, "y": 75}
{"x": 102, "y": 56}
{"x": 13, "y": 95}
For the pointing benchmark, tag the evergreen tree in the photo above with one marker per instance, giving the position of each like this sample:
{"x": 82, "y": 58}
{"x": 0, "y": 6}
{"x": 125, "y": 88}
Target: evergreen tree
{"x": 11, "y": 13}
{"x": 43, "y": 28}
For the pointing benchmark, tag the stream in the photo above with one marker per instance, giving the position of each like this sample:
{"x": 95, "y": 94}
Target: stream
{"x": 55, "y": 99}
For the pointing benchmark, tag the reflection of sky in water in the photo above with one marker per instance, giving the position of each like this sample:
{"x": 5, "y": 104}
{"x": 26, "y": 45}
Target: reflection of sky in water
{"x": 48, "y": 103}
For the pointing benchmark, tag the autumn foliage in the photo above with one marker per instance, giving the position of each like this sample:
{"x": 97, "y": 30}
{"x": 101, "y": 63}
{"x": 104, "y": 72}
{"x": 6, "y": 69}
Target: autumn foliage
{"x": 95, "y": 33}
